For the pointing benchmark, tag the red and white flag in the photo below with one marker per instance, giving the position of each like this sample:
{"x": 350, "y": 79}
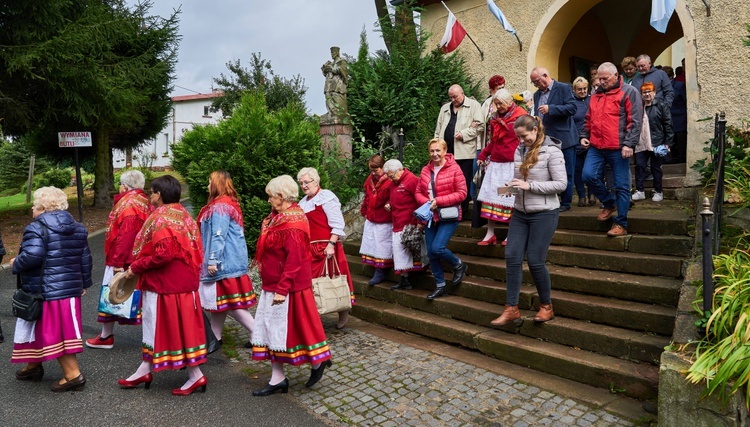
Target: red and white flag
{"x": 454, "y": 34}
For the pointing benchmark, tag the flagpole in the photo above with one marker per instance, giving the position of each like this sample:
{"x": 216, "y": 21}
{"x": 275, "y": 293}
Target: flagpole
{"x": 520, "y": 45}
{"x": 481, "y": 54}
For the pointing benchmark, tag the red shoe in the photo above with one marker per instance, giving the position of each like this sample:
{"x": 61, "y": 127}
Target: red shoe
{"x": 491, "y": 241}
{"x": 201, "y": 383}
{"x": 99, "y": 342}
{"x": 134, "y": 383}
{"x": 505, "y": 242}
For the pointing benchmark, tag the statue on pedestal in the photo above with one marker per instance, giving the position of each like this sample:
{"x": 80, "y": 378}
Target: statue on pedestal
{"x": 336, "y": 74}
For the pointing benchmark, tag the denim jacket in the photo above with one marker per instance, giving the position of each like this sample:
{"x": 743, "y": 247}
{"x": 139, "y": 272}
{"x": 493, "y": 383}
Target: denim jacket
{"x": 224, "y": 246}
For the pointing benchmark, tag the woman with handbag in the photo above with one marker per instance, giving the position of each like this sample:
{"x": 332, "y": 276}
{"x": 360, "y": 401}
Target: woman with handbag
{"x": 225, "y": 287}
{"x": 376, "y": 248}
{"x": 443, "y": 186}
{"x": 168, "y": 258}
{"x": 287, "y": 325}
{"x": 539, "y": 176}
{"x": 55, "y": 262}
{"x": 497, "y": 157}
{"x": 402, "y": 204}
{"x": 125, "y": 221}
{"x": 323, "y": 211}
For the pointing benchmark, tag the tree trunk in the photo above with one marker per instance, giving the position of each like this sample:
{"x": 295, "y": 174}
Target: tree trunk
{"x": 102, "y": 174}
{"x": 384, "y": 19}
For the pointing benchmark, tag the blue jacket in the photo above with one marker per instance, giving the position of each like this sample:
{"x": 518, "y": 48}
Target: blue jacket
{"x": 679, "y": 107}
{"x": 558, "y": 123}
{"x": 223, "y": 245}
{"x": 65, "y": 249}
{"x": 579, "y": 118}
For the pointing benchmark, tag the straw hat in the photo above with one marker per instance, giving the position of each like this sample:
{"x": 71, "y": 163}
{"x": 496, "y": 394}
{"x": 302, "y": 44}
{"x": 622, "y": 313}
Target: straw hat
{"x": 120, "y": 288}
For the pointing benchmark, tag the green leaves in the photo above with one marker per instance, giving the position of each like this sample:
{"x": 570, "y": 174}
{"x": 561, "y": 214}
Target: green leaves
{"x": 254, "y": 145}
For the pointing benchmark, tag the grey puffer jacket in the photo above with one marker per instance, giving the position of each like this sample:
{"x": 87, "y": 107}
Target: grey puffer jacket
{"x": 546, "y": 178}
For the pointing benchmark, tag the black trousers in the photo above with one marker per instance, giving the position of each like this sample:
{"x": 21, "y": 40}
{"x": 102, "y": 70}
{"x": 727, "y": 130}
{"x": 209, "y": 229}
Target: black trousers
{"x": 467, "y": 167}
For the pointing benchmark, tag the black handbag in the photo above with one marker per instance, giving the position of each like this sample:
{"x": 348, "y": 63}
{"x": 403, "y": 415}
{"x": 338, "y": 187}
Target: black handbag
{"x": 28, "y": 306}
{"x": 212, "y": 344}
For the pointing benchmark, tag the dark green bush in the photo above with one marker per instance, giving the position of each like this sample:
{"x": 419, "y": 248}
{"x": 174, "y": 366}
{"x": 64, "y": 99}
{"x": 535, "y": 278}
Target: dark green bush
{"x": 254, "y": 145}
{"x": 60, "y": 178}
{"x": 14, "y": 164}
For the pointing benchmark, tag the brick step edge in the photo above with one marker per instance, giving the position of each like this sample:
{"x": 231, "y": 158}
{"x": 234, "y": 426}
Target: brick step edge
{"x": 637, "y": 380}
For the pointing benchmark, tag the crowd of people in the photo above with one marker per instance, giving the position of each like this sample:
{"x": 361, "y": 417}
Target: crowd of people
{"x": 534, "y": 154}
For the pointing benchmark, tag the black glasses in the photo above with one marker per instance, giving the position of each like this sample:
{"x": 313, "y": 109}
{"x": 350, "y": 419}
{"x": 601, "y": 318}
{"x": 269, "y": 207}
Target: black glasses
{"x": 306, "y": 182}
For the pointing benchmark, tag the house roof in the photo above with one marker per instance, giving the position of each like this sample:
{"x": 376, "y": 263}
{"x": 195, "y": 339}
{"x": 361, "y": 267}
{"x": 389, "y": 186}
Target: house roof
{"x": 211, "y": 95}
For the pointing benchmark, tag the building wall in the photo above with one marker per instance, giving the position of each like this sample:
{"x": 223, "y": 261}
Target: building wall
{"x": 185, "y": 114}
{"x": 716, "y": 59}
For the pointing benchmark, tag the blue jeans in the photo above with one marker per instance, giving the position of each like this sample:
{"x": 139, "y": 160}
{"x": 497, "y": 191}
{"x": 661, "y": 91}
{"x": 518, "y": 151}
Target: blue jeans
{"x": 473, "y": 189}
{"x": 569, "y": 154}
{"x": 530, "y": 234}
{"x": 578, "y": 179}
{"x": 592, "y": 176}
{"x": 437, "y": 237}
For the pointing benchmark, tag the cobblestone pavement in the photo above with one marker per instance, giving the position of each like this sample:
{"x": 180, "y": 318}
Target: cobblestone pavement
{"x": 377, "y": 382}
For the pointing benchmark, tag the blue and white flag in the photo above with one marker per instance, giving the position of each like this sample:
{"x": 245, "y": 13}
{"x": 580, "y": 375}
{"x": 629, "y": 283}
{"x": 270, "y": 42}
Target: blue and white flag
{"x": 661, "y": 11}
{"x": 500, "y": 17}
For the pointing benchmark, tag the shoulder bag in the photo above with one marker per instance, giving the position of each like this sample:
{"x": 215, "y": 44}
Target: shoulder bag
{"x": 331, "y": 291}
{"x": 28, "y": 306}
{"x": 446, "y": 214}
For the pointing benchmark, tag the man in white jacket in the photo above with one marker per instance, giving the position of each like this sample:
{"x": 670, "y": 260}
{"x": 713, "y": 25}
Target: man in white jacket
{"x": 458, "y": 124}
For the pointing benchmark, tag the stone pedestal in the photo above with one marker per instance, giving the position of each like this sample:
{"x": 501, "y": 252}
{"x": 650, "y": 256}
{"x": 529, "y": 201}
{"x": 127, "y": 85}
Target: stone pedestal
{"x": 680, "y": 402}
{"x": 336, "y": 135}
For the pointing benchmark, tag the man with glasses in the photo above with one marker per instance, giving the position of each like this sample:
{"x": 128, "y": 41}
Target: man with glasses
{"x": 554, "y": 103}
{"x": 647, "y": 73}
{"x": 611, "y": 131}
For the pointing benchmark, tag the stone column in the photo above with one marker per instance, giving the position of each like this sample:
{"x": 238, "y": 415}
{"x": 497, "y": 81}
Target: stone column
{"x": 336, "y": 135}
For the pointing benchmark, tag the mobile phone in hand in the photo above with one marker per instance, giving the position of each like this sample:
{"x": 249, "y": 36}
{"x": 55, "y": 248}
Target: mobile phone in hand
{"x": 505, "y": 190}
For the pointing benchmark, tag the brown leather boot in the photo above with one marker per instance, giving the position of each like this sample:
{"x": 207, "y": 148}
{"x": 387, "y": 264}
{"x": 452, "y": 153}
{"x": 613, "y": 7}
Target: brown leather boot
{"x": 510, "y": 314}
{"x": 545, "y": 313}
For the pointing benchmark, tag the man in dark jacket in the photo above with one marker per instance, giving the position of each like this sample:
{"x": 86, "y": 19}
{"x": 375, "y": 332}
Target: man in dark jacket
{"x": 554, "y": 103}
{"x": 647, "y": 73}
{"x": 611, "y": 131}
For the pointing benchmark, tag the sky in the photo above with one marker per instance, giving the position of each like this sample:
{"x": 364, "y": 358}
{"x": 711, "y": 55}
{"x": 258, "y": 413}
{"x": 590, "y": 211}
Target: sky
{"x": 294, "y": 35}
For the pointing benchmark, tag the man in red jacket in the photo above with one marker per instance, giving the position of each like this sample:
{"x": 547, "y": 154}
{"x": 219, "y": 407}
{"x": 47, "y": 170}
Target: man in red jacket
{"x": 611, "y": 131}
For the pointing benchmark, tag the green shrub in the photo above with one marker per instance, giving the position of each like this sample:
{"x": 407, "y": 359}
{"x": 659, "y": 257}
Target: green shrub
{"x": 60, "y": 178}
{"x": 254, "y": 145}
{"x": 14, "y": 164}
{"x": 736, "y": 165}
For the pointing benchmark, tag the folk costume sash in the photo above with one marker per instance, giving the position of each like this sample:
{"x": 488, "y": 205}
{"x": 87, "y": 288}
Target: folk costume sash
{"x": 223, "y": 205}
{"x": 170, "y": 227}
{"x": 133, "y": 203}
{"x": 277, "y": 226}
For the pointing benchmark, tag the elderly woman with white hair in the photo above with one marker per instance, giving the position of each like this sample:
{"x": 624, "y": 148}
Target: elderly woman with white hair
{"x": 125, "y": 221}
{"x": 323, "y": 211}
{"x": 54, "y": 261}
{"x": 287, "y": 325}
{"x": 402, "y": 204}
{"x": 497, "y": 157}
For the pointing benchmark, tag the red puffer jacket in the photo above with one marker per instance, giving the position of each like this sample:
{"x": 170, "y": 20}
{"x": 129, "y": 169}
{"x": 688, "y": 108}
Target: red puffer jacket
{"x": 377, "y": 193}
{"x": 450, "y": 183}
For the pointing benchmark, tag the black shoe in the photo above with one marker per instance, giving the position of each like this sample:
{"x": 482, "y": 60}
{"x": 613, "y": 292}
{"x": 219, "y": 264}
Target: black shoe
{"x": 248, "y": 344}
{"x": 564, "y": 208}
{"x": 34, "y": 374}
{"x": 76, "y": 384}
{"x": 459, "y": 273}
{"x": 402, "y": 284}
{"x": 317, "y": 374}
{"x": 378, "y": 277}
{"x": 439, "y": 292}
{"x": 271, "y": 389}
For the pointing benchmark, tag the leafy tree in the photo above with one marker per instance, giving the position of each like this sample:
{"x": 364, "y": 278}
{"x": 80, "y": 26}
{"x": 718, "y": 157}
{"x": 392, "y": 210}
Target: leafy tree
{"x": 278, "y": 91}
{"x": 254, "y": 145}
{"x": 405, "y": 87}
{"x": 86, "y": 65}
{"x": 14, "y": 162}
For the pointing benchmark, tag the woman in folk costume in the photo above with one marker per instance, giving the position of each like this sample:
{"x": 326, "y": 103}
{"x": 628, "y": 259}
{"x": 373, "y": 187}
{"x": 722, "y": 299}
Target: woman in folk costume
{"x": 287, "y": 325}
{"x": 497, "y": 157}
{"x": 125, "y": 221}
{"x": 402, "y": 204}
{"x": 168, "y": 258}
{"x": 225, "y": 287}
{"x": 376, "y": 248}
{"x": 323, "y": 211}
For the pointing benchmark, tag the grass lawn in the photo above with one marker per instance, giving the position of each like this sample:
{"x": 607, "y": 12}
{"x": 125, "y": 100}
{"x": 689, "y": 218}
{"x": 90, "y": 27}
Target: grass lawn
{"x": 15, "y": 202}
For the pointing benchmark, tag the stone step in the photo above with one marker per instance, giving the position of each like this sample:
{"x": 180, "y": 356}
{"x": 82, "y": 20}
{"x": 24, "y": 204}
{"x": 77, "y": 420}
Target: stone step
{"x": 636, "y": 316}
{"x": 628, "y": 287}
{"x": 638, "y": 380}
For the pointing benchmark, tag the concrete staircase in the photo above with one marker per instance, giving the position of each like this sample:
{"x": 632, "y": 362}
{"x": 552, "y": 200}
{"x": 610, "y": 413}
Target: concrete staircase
{"x": 615, "y": 299}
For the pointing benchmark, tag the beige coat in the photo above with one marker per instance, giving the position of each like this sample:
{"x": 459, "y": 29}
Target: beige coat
{"x": 546, "y": 178}
{"x": 468, "y": 123}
